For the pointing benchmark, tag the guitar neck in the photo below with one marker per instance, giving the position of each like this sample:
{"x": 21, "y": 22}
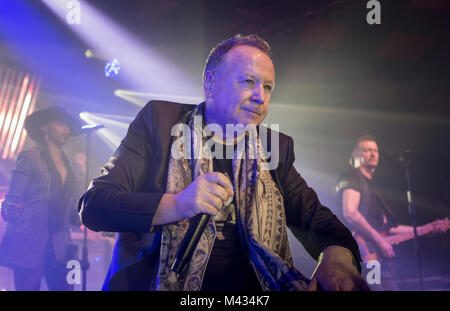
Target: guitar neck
{"x": 401, "y": 237}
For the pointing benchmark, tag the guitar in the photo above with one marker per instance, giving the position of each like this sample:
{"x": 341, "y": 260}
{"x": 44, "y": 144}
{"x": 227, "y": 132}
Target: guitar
{"x": 369, "y": 250}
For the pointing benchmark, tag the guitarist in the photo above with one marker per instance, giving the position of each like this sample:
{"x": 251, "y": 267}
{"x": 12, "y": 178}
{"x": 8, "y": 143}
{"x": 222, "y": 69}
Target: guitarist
{"x": 365, "y": 212}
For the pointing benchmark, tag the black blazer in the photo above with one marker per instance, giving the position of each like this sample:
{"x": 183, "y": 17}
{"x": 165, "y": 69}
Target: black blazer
{"x": 125, "y": 197}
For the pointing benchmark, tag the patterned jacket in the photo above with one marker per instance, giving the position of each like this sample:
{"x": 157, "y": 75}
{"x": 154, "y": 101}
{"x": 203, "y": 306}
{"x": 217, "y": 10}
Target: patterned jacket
{"x": 25, "y": 240}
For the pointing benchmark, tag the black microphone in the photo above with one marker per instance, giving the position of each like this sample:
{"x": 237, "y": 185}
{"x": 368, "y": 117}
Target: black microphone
{"x": 86, "y": 129}
{"x": 190, "y": 241}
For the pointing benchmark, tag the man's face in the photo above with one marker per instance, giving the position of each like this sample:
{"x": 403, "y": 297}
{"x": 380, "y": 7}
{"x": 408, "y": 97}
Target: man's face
{"x": 368, "y": 150}
{"x": 241, "y": 88}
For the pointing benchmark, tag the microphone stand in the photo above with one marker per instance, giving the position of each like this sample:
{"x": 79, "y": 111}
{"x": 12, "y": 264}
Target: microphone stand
{"x": 406, "y": 161}
{"x": 88, "y": 130}
{"x": 85, "y": 252}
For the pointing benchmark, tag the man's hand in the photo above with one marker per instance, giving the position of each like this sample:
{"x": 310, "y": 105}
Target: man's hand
{"x": 336, "y": 271}
{"x": 205, "y": 194}
{"x": 386, "y": 248}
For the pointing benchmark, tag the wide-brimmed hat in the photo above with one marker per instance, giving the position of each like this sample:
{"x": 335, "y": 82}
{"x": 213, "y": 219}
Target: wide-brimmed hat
{"x": 37, "y": 119}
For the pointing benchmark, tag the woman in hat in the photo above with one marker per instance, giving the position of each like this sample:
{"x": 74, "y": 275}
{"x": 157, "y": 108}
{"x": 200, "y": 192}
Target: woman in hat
{"x": 41, "y": 203}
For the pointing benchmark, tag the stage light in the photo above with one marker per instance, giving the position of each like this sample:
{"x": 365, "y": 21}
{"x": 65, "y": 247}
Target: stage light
{"x": 112, "y": 133}
{"x": 112, "y": 68}
{"x": 88, "y": 53}
{"x": 95, "y": 55}
{"x": 146, "y": 68}
{"x": 17, "y": 99}
{"x": 114, "y": 117}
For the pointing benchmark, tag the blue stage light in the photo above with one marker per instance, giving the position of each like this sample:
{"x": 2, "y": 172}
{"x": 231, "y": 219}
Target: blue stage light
{"x": 112, "y": 68}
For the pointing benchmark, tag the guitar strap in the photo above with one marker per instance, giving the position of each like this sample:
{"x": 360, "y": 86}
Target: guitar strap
{"x": 387, "y": 209}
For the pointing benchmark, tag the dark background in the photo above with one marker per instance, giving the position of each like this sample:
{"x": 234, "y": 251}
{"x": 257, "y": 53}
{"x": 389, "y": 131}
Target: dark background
{"x": 336, "y": 78}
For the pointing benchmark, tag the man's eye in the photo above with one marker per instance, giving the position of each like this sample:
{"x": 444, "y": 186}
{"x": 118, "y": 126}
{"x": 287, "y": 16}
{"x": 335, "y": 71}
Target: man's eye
{"x": 249, "y": 82}
{"x": 268, "y": 87}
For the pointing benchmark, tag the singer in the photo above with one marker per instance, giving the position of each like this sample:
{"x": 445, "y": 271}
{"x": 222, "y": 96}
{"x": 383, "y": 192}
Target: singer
{"x": 41, "y": 204}
{"x": 154, "y": 187}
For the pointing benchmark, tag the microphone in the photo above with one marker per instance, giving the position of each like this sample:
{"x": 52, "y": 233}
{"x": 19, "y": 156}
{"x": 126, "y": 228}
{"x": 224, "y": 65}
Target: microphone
{"x": 190, "y": 240}
{"x": 86, "y": 129}
{"x": 189, "y": 243}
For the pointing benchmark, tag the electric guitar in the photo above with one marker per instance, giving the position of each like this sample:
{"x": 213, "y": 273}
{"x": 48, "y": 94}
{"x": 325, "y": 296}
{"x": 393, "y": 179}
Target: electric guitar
{"x": 369, "y": 251}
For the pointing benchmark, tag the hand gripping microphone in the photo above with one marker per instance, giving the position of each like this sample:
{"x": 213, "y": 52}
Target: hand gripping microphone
{"x": 190, "y": 240}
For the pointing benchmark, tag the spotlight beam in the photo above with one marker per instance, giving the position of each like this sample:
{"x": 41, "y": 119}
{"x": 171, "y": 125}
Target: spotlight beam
{"x": 144, "y": 68}
{"x": 112, "y": 138}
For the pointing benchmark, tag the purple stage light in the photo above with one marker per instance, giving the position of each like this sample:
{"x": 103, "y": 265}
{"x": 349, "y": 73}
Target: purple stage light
{"x": 112, "y": 68}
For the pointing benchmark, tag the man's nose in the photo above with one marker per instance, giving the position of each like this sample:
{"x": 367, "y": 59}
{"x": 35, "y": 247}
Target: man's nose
{"x": 258, "y": 95}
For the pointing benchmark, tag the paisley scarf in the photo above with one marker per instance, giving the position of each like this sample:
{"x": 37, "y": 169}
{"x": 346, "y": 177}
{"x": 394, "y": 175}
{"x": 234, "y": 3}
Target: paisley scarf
{"x": 259, "y": 212}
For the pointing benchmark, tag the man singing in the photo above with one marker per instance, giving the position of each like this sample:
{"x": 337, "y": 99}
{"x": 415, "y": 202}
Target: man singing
{"x": 161, "y": 177}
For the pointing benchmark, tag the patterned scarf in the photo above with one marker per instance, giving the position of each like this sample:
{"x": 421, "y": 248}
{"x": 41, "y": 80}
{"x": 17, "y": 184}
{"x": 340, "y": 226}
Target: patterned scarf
{"x": 259, "y": 211}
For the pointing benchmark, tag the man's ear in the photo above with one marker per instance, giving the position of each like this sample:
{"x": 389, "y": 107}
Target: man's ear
{"x": 208, "y": 84}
